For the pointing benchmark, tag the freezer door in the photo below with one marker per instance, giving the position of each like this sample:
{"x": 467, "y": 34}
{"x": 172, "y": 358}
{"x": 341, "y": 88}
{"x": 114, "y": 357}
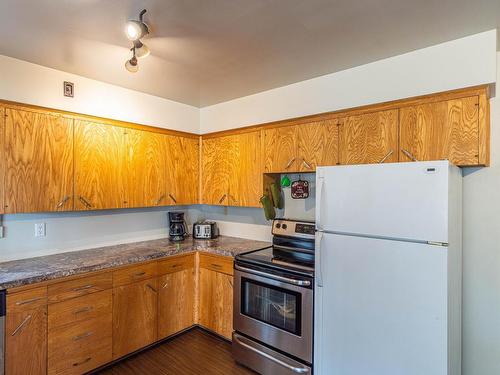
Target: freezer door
{"x": 397, "y": 200}
{"x": 381, "y": 309}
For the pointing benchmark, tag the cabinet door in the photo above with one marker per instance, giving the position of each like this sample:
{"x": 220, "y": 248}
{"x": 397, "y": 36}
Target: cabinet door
{"x": 245, "y": 175}
{"x": 100, "y": 161}
{"x": 183, "y": 167}
{"x": 443, "y": 130}
{"x": 39, "y": 162}
{"x": 2, "y": 159}
{"x": 216, "y": 302}
{"x": 280, "y": 150}
{"x": 175, "y": 302}
{"x": 134, "y": 316}
{"x": 369, "y": 138}
{"x": 215, "y": 170}
{"x": 318, "y": 144}
{"x": 146, "y": 169}
{"x": 26, "y": 333}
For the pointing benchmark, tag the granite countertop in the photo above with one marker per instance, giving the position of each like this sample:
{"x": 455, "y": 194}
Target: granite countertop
{"x": 32, "y": 270}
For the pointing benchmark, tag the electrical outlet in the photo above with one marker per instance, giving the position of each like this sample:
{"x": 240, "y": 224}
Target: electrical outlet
{"x": 40, "y": 230}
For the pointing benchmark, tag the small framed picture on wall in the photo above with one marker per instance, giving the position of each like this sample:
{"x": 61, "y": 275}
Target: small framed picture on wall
{"x": 69, "y": 89}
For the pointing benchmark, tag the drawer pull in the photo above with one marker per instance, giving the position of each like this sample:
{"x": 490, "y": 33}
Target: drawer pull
{"x": 150, "y": 287}
{"x": 25, "y": 302}
{"x": 82, "y": 310}
{"x": 139, "y": 274}
{"x": 82, "y": 362}
{"x": 82, "y": 336}
{"x": 85, "y": 287}
{"x": 216, "y": 265}
{"x": 20, "y": 326}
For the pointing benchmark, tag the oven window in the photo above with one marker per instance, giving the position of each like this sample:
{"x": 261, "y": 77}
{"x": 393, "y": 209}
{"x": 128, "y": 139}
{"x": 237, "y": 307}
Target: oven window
{"x": 272, "y": 305}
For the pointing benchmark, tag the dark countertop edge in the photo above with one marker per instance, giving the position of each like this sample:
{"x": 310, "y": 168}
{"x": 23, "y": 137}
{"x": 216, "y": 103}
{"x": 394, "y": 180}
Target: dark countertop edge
{"x": 32, "y": 280}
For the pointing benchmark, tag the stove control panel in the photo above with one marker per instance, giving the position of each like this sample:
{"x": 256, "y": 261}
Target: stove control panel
{"x": 292, "y": 228}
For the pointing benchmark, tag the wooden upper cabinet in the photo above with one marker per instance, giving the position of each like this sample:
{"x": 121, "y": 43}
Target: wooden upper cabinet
{"x": 100, "y": 166}
{"x": 245, "y": 178}
{"x": 441, "y": 130}
{"x": 369, "y": 138}
{"x": 38, "y": 162}
{"x": 146, "y": 169}
{"x": 183, "y": 170}
{"x": 2, "y": 159}
{"x": 317, "y": 145}
{"x": 215, "y": 170}
{"x": 280, "y": 149}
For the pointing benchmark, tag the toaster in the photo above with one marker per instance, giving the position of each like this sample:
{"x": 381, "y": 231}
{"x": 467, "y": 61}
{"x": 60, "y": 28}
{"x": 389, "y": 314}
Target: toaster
{"x": 205, "y": 230}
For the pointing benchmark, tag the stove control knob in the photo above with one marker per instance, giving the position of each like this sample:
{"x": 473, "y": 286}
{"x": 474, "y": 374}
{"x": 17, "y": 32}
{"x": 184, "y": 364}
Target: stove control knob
{"x": 284, "y": 226}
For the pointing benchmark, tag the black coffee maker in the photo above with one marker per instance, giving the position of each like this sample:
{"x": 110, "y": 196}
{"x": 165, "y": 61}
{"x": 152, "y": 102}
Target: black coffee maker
{"x": 177, "y": 226}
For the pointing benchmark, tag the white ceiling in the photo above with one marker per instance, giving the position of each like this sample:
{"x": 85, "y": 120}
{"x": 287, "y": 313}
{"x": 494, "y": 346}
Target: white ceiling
{"x": 208, "y": 51}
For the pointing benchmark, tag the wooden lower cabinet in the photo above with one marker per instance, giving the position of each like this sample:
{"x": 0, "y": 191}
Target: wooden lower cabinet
{"x": 175, "y": 302}
{"x": 216, "y": 302}
{"x": 26, "y": 333}
{"x": 134, "y": 316}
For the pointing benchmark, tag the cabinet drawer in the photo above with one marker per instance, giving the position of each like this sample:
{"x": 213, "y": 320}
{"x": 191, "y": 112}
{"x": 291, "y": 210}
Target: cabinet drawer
{"x": 80, "y": 347}
{"x": 80, "y": 309}
{"x": 217, "y": 263}
{"x": 135, "y": 273}
{"x": 30, "y": 299}
{"x": 75, "y": 288}
{"x": 175, "y": 264}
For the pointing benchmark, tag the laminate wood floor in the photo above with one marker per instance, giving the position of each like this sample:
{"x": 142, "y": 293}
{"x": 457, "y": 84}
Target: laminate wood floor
{"x": 191, "y": 353}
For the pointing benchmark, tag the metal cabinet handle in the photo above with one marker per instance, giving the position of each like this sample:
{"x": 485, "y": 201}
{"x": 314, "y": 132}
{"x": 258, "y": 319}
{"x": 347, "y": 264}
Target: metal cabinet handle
{"x": 25, "y": 302}
{"x": 409, "y": 154}
{"x": 82, "y": 362}
{"x": 150, "y": 287}
{"x": 215, "y": 265}
{"x": 306, "y": 164}
{"x": 164, "y": 286}
{"x": 80, "y": 288}
{"x": 82, "y": 336}
{"x": 20, "y": 326}
{"x": 275, "y": 277}
{"x": 173, "y": 198}
{"x": 233, "y": 198}
{"x": 158, "y": 201}
{"x": 85, "y": 202}
{"x": 62, "y": 202}
{"x": 139, "y": 274}
{"x": 222, "y": 198}
{"x": 290, "y": 163}
{"x": 386, "y": 156}
{"x": 297, "y": 370}
{"x": 82, "y": 310}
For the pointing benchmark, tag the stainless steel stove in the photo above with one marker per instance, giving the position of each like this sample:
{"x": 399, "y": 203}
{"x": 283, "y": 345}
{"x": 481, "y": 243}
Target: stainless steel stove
{"x": 273, "y": 302}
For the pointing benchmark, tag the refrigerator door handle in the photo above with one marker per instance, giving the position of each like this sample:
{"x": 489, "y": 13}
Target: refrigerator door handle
{"x": 321, "y": 182}
{"x": 319, "y": 271}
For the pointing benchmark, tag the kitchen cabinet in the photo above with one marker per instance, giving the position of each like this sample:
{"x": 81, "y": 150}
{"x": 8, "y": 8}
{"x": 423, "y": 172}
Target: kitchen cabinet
{"x": 216, "y": 294}
{"x": 2, "y": 159}
{"x": 134, "y": 316}
{"x": 146, "y": 169}
{"x": 318, "y": 144}
{"x": 280, "y": 149}
{"x": 26, "y": 333}
{"x": 441, "y": 130}
{"x": 369, "y": 138}
{"x": 183, "y": 170}
{"x": 100, "y": 166}
{"x": 231, "y": 171}
{"x": 38, "y": 162}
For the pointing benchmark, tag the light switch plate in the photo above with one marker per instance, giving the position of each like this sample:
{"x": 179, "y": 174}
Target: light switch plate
{"x": 40, "y": 230}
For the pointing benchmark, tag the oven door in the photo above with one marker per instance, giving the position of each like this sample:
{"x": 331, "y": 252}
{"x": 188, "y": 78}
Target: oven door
{"x": 275, "y": 308}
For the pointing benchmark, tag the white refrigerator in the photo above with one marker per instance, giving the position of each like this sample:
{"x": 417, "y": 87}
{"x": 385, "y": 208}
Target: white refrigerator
{"x": 388, "y": 269}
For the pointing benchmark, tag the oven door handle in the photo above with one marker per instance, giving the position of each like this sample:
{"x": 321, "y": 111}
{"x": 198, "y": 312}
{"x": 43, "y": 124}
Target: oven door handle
{"x": 297, "y": 370}
{"x": 275, "y": 277}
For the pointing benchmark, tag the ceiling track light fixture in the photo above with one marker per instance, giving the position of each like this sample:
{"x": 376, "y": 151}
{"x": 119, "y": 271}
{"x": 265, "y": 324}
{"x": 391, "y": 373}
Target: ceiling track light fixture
{"x": 135, "y": 31}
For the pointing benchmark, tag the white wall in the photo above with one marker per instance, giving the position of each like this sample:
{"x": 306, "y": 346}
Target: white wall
{"x": 24, "y": 82}
{"x": 460, "y": 63}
